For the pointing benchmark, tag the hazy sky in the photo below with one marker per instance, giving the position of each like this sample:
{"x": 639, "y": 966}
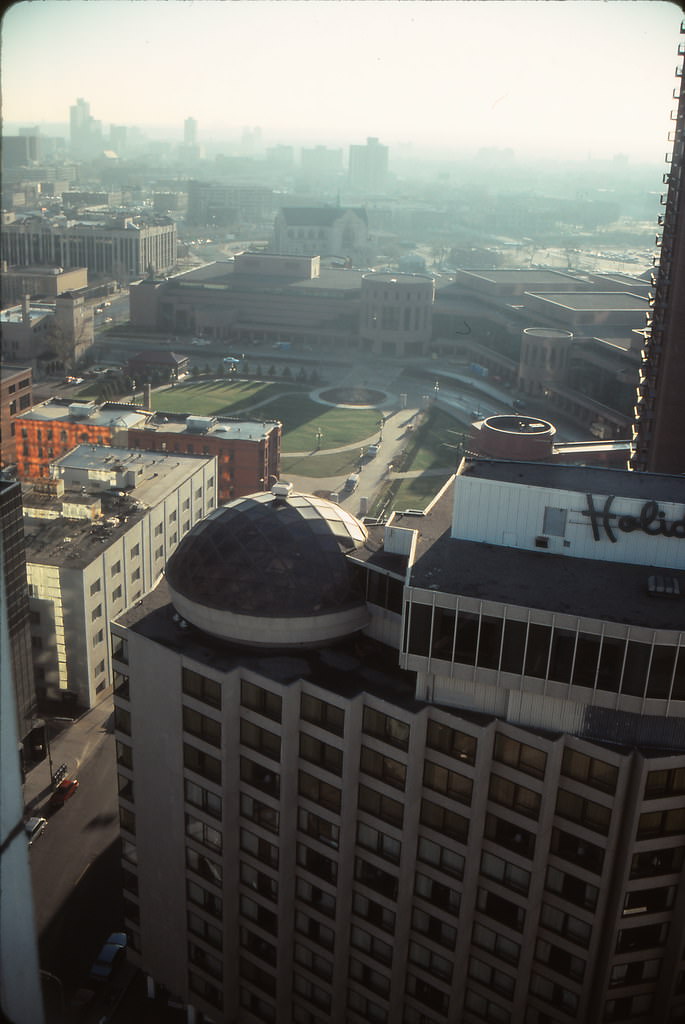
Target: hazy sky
{"x": 575, "y": 77}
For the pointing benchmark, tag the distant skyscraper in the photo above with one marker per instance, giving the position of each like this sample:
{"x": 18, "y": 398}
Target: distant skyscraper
{"x": 368, "y": 170}
{"x": 660, "y": 412}
{"x": 84, "y": 131}
{"x": 190, "y": 131}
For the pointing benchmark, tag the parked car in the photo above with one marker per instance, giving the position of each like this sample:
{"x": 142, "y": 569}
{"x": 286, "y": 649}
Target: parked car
{"x": 64, "y": 792}
{"x": 109, "y": 957}
{"x": 35, "y": 828}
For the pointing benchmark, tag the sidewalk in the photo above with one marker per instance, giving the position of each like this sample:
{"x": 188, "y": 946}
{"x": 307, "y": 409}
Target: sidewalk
{"x": 71, "y": 746}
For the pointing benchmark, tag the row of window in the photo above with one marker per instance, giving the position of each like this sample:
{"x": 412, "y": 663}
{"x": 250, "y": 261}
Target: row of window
{"x": 607, "y": 663}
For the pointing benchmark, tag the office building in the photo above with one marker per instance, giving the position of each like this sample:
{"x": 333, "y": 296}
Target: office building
{"x": 15, "y": 398}
{"x": 98, "y": 534}
{"x": 368, "y": 167}
{"x": 248, "y": 452}
{"x": 426, "y": 771}
{"x": 85, "y": 133}
{"x": 123, "y": 247}
{"x": 52, "y": 428}
{"x": 221, "y": 206}
{"x": 16, "y": 596}
{"x": 50, "y": 335}
{"x": 190, "y": 131}
{"x": 396, "y": 314}
{"x": 659, "y": 425}
{"x": 43, "y": 284}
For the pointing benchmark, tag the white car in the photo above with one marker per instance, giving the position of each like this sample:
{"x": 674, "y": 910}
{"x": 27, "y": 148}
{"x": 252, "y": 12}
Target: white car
{"x": 35, "y": 828}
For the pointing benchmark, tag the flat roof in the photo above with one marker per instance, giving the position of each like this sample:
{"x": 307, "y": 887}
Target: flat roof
{"x": 74, "y": 543}
{"x": 592, "y": 301}
{"x": 600, "y": 480}
{"x": 101, "y": 415}
{"x": 589, "y": 588}
{"x": 221, "y": 428}
{"x": 507, "y": 276}
{"x": 8, "y": 370}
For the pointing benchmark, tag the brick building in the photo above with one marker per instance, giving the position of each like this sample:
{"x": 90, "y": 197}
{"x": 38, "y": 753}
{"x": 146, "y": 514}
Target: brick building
{"x": 15, "y": 398}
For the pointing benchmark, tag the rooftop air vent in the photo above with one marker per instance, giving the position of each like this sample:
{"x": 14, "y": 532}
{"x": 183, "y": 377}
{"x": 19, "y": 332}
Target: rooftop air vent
{"x": 542, "y": 542}
{"x": 663, "y": 586}
{"x": 282, "y": 490}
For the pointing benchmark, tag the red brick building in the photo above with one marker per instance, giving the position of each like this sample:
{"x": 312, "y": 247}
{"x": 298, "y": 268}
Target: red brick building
{"x": 15, "y": 397}
{"x": 54, "y": 427}
{"x": 248, "y": 452}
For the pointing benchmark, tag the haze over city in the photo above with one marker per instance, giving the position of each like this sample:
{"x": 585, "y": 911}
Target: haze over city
{"x": 569, "y": 79}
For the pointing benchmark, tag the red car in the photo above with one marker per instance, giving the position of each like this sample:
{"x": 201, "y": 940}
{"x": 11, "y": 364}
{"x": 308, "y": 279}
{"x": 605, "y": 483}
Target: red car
{"x": 64, "y": 791}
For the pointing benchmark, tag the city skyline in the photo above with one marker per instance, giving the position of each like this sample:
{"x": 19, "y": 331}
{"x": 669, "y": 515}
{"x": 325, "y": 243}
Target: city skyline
{"x": 541, "y": 78}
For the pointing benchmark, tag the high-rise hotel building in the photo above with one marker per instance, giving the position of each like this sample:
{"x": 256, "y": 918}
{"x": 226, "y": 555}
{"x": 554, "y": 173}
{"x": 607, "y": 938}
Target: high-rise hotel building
{"x": 421, "y": 773}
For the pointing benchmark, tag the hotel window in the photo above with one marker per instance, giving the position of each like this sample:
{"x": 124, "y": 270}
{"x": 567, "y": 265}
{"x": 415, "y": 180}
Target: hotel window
{"x": 98, "y": 637}
{"x": 368, "y": 977}
{"x": 566, "y": 925}
{"x": 314, "y": 930}
{"x": 266, "y": 919}
{"x": 121, "y": 685}
{"x": 437, "y": 893}
{"x": 317, "y": 864}
{"x": 560, "y": 960}
{"x": 634, "y": 972}
{"x": 519, "y": 755}
{"x": 326, "y": 716}
{"x": 208, "y": 691}
{"x": 308, "y": 990}
{"x": 504, "y": 872}
{"x": 380, "y": 806}
{"x": 379, "y": 843}
{"x": 318, "y": 965}
{"x": 318, "y": 791}
{"x": 517, "y": 798}
{"x": 116, "y": 568}
{"x": 500, "y": 909}
{"x": 571, "y": 888}
{"x": 260, "y": 848}
{"x": 426, "y": 993}
{"x": 392, "y": 772}
{"x": 203, "y": 866}
{"x": 558, "y": 996}
{"x": 451, "y": 784}
{"x": 116, "y": 593}
{"x": 266, "y": 742}
{"x": 451, "y": 741}
{"x": 202, "y": 727}
{"x": 449, "y": 861}
{"x": 204, "y": 930}
{"x": 631, "y": 940}
{"x": 383, "y": 727}
{"x": 125, "y": 788}
{"x": 260, "y": 776}
{"x": 583, "y": 812}
{"x": 491, "y": 977}
{"x": 210, "y": 993}
{"x": 122, "y": 720}
{"x": 445, "y": 821}
{"x": 258, "y": 699}
{"x": 202, "y": 764}
{"x": 135, "y": 551}
{"x": 364, "y": 1008}
{"x": 666, "y": 782}
{"x": 201, "y": 798}
{"x": 203, "y": 833}
{"x": 318, "y": 828}
{"x": 652, "y": 863}
{"x": 258, "y": 946}
{"x": 589, "y": 770}
{"x": 159, "y": 552}
{"x": 173, "y": 516}
{"x": 257, "y": 880}
{"x": 629, "y": 1006}
{"x": 373, "y": 912}
{"x": 648, "y": 901}
{"x": 375, "y": 878}
{"x": 124, "y": 755}
{"x": 367, "y": 943}
{"x": 129, "y": 851}
{"x": 577, "y": 850}
{"x": 505, "y": 833}
{"x": 318, "y": 898}
{"x": 500, "y": 946}
{"x": 95, "y": 587}
{"x": 433, "y": 928}
{"x": 159, "y": 528}
{"x": 321, "y": 754}
{"x": 127, "y": 820}
{"x": 261, "y": 814}
{"x": 135, "y": 575}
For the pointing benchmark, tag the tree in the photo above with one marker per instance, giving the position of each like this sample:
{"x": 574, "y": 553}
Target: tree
{"x": 287, "y": 374}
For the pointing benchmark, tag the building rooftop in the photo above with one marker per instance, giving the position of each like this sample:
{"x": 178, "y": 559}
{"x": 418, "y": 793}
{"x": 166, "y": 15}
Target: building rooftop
{"x": 318, "y": 216}
{"x": 594, "y": 301}
{"x": 219, "y": 427}
{"x": 15, "y": 314}
{"x": 611, "y": 591}
{"x": 8, "y": 370}
{"x": 109, "y": 414}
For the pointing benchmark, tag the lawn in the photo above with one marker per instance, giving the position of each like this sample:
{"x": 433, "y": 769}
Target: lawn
{"x": 321, "y": 466}
{"x": 208, "y": 398}
{"x": 419, "y": 491}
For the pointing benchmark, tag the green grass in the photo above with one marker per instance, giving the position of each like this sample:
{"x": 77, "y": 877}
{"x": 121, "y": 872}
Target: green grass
{"x": 206, "y": 398}
{"x": 439, "y": 432}
{"x": 418, "y": 492}
{"x": 321, "y": 466}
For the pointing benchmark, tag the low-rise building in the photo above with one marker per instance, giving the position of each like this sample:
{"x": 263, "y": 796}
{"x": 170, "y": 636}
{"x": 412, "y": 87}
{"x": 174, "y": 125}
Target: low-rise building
{"x": 248, "y": 452}
{"x": 98, "y": 534}
{"x": 46, "y": 334}
{"x": 54, "y": 427}
{"x": 15, "y": 398}
{"x": 41, "y": 283}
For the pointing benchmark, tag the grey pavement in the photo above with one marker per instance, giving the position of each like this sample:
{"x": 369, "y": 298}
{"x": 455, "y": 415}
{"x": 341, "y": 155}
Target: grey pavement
{"x": 70, "y": 744}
